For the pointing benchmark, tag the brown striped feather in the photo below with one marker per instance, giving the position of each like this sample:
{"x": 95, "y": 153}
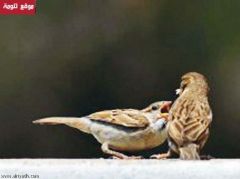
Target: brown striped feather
{"x": 127, "y": 117}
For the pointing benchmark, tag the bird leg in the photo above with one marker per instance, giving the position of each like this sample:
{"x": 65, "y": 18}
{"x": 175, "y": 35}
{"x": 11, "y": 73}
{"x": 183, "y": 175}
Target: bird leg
{"x": 116, "y": 155}
{"x": 162, "y": 156}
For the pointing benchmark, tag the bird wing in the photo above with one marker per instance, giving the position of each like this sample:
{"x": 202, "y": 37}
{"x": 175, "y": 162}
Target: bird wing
{"x": 197, "y": 122}
{"x": 189, "y": 122}
{"x": 123, "y": 117}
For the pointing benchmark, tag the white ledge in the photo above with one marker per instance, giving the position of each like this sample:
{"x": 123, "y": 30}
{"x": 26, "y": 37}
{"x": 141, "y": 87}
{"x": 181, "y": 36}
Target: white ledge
{"x": 107, "y": 168}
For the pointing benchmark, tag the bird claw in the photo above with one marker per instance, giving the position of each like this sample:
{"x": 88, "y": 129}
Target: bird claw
{"x": 158, "y": 157}
{"x": 134, "y": 157}
{"x": 127, "y": 158}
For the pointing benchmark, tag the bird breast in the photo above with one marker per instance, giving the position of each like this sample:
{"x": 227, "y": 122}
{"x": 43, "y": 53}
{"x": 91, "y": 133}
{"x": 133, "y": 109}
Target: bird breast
{"x": 130, "y": 139}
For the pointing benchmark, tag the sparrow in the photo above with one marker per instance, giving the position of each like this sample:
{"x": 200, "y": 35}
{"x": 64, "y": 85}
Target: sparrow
{"x": 121, "y": 130}
{"x": 189, "y": 118}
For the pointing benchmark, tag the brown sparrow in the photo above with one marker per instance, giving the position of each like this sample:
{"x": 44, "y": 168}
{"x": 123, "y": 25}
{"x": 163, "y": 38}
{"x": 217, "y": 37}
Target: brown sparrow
{"x": 189, "y": 118}
{"x": 122, "y": 129}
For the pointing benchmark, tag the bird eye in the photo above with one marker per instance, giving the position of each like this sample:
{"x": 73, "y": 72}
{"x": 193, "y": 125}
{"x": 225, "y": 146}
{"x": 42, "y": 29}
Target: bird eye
{"x": 154, "y": 108}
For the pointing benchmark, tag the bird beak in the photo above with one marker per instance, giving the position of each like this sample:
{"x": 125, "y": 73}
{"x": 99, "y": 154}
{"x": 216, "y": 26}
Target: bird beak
{"x": 166, "y": 106}
{"x": 163, "y": 116}
{"x": 178, "y": 91}
{"x": 165, "y": 110}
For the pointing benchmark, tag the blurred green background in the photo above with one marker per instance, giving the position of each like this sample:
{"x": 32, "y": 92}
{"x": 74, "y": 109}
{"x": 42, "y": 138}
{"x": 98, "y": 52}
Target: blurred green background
{"x": 76, "y": 57}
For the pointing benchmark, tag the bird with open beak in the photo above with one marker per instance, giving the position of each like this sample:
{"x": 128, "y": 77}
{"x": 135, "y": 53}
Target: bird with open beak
{"x": 122, "y": 130}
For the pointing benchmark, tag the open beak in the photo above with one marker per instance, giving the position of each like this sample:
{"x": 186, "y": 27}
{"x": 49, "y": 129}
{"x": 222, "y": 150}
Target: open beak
{"x": 165, "y": 110}
{"x": 163, "y": 116}
{"x": 166, "y": 106}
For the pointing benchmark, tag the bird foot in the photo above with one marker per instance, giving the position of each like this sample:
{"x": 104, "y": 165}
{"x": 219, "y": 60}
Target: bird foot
{"x": 127, "y": 157}
{"x": 160, "y": 156}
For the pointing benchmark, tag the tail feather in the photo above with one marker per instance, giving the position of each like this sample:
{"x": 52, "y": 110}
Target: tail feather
{"x": 189, "y": 152}
{"x": 82, "y": 123}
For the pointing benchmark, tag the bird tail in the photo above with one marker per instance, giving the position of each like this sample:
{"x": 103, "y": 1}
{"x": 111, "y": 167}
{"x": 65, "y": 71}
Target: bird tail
{"x": 82, "y": 123}
{"x": 189, "y": 152}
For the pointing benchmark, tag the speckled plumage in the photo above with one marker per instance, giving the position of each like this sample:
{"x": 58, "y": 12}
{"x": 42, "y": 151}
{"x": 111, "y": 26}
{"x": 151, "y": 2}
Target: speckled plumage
{"x": 189, "y": 118}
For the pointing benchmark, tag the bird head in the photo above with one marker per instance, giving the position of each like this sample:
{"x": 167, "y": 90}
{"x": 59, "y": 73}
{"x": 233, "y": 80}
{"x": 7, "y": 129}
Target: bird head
{"x": 194, "y": 81}
{"x": 161, "y": 108}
